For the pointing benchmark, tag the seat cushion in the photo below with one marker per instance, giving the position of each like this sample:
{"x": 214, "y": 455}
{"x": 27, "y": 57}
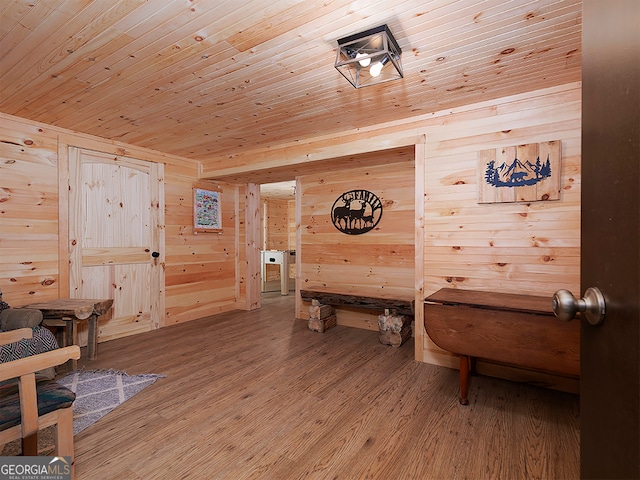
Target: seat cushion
{"x": 51, "y": 396}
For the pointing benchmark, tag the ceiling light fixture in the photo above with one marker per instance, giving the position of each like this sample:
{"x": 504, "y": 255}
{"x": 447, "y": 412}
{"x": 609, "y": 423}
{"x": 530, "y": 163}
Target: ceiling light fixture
{"x": 374, "y": 48}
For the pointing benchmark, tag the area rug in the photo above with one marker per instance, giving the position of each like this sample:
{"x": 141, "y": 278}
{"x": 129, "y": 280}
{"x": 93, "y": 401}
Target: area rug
{"x": 97, "y": 393}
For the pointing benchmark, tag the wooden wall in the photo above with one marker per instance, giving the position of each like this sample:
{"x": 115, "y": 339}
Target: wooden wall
{"x": 205, "y": 273}
{"x": 528, "y": 248}
{"x": 277, "y": 224}
{"x": 29, "y": 198}
{"x": 379, "y": 262}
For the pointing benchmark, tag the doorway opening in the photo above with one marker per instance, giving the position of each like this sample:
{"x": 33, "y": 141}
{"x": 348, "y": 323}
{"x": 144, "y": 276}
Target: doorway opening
{"x": 277, "y": 237}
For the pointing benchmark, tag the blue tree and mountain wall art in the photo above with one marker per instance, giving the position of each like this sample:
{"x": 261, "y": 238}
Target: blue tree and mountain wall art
{"x": 517, "y": 174}
{"x": 520, "y": 173}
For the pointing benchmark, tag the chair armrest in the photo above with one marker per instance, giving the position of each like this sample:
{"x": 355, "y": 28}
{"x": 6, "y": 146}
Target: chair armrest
{"x": 34, "y": 363}
{"x": 15, "y": 335}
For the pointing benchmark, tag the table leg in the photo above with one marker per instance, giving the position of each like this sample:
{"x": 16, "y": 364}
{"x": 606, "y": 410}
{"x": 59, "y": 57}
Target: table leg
{"x": 72, "y": 339}
{"x": 92, "y": 341}
{"x": 68, "y": 332}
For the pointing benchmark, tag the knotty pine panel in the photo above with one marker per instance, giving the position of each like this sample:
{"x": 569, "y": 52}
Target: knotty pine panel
{"x": 197, "y": 263}
{"x": 379, "y": 262}
{"x": 291, "y": 206}
{"x": 240, "y": 195}
{"x": 277, "y": 215}
{"x": 383, "y": 255}
{"x": 28, "y": 213}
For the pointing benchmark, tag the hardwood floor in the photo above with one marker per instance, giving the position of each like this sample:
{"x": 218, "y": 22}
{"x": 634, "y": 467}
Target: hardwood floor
{"x": 256, "y": 395}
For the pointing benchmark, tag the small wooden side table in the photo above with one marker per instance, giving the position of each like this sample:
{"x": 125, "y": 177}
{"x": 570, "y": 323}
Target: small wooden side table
{"x": 67, "y": 312}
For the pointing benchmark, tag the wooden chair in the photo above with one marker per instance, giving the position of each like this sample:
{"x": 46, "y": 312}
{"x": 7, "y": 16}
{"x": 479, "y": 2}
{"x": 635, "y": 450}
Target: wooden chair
{"x": 29, "y": 404}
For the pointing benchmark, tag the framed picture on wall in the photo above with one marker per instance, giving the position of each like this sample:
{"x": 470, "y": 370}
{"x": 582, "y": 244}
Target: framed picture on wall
{"x": 207, "y": 208}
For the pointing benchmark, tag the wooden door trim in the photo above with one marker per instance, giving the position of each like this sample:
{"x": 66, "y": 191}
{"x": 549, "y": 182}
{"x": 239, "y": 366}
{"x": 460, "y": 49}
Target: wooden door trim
{"x": 252, "y": 222}
{"x": 419, "y": 181}
{"x": 158, "y": 245}
{"x": 75, "y": 199}
{"x": 63, "y": 219}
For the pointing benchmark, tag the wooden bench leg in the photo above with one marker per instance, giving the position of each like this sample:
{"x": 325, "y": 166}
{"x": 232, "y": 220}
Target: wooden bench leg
{"x": 465, "y": 362}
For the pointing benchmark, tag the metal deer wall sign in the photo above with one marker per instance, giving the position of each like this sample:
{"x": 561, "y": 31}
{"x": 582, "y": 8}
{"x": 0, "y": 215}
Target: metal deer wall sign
{"x": 523, "y": 173}
{"x": 356, "y": 212}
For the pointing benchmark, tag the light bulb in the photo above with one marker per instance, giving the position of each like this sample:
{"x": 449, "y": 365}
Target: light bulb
{"x": 364, "y": 62}
{"x": 375, "y": 69}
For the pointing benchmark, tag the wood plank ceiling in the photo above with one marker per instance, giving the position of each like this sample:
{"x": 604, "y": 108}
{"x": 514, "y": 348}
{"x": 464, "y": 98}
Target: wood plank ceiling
{"x": 207, "y": 78}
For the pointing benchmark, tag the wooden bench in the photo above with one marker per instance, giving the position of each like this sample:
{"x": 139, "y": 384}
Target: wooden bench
{"x": 518, "y": 330}
{"x": 394, "y": 324}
